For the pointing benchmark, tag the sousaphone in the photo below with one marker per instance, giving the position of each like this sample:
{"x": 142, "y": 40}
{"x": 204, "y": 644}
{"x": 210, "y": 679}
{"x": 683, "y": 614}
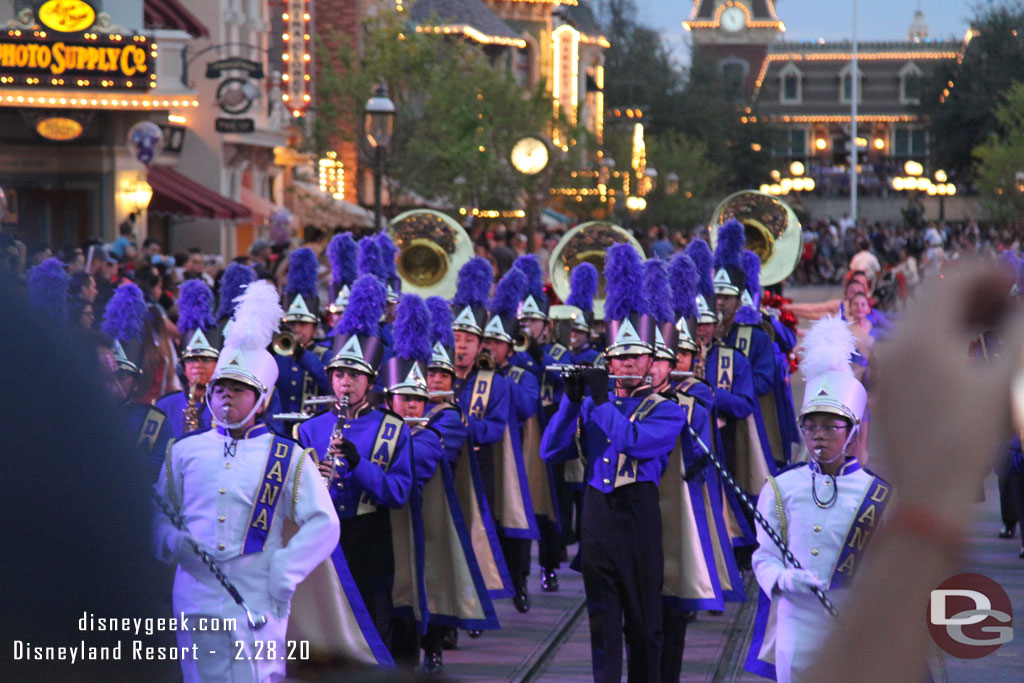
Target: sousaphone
{"x": 772, "y": 229}
{"x": 431, "y": 248}
{"x": 587, "y": 242}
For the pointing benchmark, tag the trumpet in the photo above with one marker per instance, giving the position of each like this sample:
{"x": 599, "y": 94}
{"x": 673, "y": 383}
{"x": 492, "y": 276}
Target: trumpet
{"x": 485, "y": 361}
{"x": 521, "y": 343}
{"x": 341, "y": 410}
{"x": 283, "y": 343}
{"x": 569, "y": 369}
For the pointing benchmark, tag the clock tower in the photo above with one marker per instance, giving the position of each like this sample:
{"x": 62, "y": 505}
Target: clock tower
{"x": 734, "y": 34}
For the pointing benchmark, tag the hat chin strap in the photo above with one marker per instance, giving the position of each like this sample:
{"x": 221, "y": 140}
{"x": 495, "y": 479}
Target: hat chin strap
{"x": 235, "y": 425}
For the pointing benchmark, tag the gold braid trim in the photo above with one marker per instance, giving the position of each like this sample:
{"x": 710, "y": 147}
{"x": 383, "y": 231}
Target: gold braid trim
{"x": 170, "y": 476}
{"x": 311, "y": 452}
{"x": 780, "y": 510}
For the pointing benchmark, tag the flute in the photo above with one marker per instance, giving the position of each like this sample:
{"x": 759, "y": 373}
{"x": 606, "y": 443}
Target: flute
{"x": 567, "y": 369}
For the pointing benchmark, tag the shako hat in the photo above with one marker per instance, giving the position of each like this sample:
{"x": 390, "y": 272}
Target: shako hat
{"x": 535, "y": 304}
{"x": 341, "y": 253}
{"x": 630, "y": 330}
{"x": 825, "y": 362}
{"x": 406, "y": 371}
{"x": 125, "y": 321}
{"x": 203, "y": 338}
{"x": 729, "y": 278}
{"x": 300, "y": 288}
{"x": 682, "y": 276}
{"x": 659, "y": 302}
{"x": 442, "y": 339}
{"x": 503, "y": 323}
{"x": 357, "y": 341}
{"x": 472, "y": 288}
{"x": 700, "y": 253}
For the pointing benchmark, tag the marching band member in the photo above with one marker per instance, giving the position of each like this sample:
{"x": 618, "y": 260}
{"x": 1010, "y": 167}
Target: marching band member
{"x": 187, "y": 410}
{"x": 301, "y": 374}
{"x": 825, "y": 511}
{"x": 235, "y": 486}
{"x": 369, "y": 465}
{"x": 696, "y": 392}
{"x": 125, "y": 320}
{"x": 626, "y": 436}
{"x": 690, "y": 573}
{"x": 520, "y": 467}
{"x": 743, "y": 335}
{"x": 460, "y": 459}
{"x": 341, "y": 253}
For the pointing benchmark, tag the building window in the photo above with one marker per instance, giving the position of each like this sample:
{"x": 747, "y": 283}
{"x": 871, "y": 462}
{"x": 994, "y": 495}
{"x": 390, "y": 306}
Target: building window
{"x": 791, "y": 85}
{"x": 734, "y": 75}
{"x": 792, "y": 143}
{"x": 910, "y": 142}
{"x": 910, "y": 84}
{"x": 846, "y": 84}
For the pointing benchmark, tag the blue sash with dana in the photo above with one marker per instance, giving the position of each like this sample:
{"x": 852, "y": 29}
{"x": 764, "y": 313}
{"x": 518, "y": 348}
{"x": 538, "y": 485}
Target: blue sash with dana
{"x": 865, "y": 522}
{"x": 268, "y": 495}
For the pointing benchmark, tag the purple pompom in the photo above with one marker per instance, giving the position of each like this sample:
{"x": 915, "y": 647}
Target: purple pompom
{"x": 125, "y": 316}
{"x": 195, "y": 307}
{"x": 682, "y": 276}
{"x": 623, "y": 274}
{"x": 583, "y": 287}
{"x": 441, "y": 319}
{"x": 48, "y": 289}
{"x": 509, "y": 293}
{"x": 474, "y": 283}
{"x": 388, "y": 253}
{"x": 700, "y": 253}
{"x": 302, "y": 271}
{"x": 752, "y": 270}
{"x": 731, "y": 240}
{"x": 232, "y": 284}
{"x": 370, "y": 260}
{"x": 341, "y": 252}
{"x": 657, "y": 291}
{"x": 530, "y": 267}
{"x": 366, "y": 304}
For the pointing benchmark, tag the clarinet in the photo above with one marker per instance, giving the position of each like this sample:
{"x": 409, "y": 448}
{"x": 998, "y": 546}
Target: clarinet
{"x": 341, "y": 410}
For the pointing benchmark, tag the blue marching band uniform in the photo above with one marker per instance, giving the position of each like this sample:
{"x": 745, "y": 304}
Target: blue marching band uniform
{"x": 437, "y": 512}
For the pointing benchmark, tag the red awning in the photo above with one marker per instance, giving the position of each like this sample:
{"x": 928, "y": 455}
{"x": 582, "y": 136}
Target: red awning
{"x": 171, "y": 14}
{"x": 173, "y": 193}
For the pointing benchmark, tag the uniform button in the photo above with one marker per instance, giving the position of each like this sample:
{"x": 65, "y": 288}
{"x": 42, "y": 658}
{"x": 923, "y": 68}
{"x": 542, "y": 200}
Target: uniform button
{"x": 828, "y": 482}
{"x": 341, "y": 508}
{"x": 817, "y": 527}
{"x": 607, "y": 481}
{"x": 227, "y": 466}
{"x": 221, "y": 519}
{"x": 346, "y": 426}
{"x": 294, "y": 382}
{"x": 618, "y": 403}
{"x": 223, "y": 491}
{"x": 220, "y": 546}
{"x": 814, "y": 551}
{"x": 607, "y": 459}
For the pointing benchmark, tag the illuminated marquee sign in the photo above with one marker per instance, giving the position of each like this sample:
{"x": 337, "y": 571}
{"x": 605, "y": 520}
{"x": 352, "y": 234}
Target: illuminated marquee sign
{"x": 94, "y": 60}
{"x": 66, "y": 16}
{"x": 566, "y": 58}
{"x": 296, "y": 57}
{"x": 59, "y": 128}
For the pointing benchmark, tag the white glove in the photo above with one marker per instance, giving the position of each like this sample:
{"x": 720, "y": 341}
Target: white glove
{"x": 798, "y": 581}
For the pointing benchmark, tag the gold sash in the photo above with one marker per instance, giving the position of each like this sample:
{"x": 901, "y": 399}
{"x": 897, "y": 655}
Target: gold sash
{"x": 382, "y": 454}
{"x": 749, "y": 464}
{"x": 536, "y": 469}
{"x": 769, "y": 411}
{"x": 721, "y": 566}
{"x": 405, "y": 589}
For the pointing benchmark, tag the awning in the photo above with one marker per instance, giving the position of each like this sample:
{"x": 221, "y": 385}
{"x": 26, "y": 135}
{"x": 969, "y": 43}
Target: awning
{"x": 174, "y": 193}
{"x": 171, "y": 14}
{"x": 313, "y": 207}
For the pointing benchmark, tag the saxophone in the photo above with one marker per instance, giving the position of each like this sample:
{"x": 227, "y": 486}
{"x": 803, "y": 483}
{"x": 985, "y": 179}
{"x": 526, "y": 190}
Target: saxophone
{"x": 196, "y": 395}
{"x": 700, "y": 361}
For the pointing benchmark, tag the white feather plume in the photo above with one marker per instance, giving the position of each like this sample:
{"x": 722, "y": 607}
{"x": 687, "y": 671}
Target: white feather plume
{"x": 827, "y": 347}
{"x": 257, "y": 317}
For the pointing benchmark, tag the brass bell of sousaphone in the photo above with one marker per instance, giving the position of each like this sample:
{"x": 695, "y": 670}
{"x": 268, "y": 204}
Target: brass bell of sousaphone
{"x": 431, "y": 248}
{"x": 772, "y": 229}
{"x": 587, "y": 242}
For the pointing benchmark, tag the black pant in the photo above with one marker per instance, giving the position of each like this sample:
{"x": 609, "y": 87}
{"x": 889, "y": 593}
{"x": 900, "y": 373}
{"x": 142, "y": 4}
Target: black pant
{"x": 366, "y": 542}
{"x": 1007, "y": 505}
{"x": 433, "y": 641}
{"x": 549, "y": 547}
{"x": 674, "y": 624}
{"x": 517, "y": 558}
{"x": 405, "y": 641}
{"x": 623, "y": 570}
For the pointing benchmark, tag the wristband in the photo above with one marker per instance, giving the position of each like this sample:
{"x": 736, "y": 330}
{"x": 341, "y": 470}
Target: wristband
{"x": 919, "y": 522}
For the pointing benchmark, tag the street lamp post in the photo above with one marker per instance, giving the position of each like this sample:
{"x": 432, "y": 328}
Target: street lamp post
{"x": 380, "y": 122}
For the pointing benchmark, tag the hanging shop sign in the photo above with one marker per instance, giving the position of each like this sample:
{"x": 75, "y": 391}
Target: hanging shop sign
{"x": 223, "y": 125}
{"x": 93, "y": 60}
{"x": 216, "y": 69}
{"x": 66, "y": 16}
{"x": 59, "y": 128}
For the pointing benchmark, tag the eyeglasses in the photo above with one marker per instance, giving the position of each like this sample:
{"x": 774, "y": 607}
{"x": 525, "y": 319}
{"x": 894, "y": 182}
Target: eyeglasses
{"x": 826, "y": 430}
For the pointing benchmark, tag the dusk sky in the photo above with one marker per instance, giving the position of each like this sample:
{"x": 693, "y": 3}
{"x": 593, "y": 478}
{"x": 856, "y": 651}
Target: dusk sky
{"x": 828, "y": 19}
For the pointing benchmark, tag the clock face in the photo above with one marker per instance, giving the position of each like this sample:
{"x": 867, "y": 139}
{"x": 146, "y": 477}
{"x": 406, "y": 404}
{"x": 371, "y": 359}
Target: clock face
{"x": 529, "y": 155}
{"x": 733, "y": 19}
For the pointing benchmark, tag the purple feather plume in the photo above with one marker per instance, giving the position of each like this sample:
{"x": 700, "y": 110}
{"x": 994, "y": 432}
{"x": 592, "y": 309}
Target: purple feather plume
{"x": 509, "y": 293}
{"x": 195, "y": 307}
{"x": 700, "y": 253}
{"x": 366, "y": 304}
{"x": 624, "y": 274}
{"x": 388, "y": 252}
{"x": 657, "y": 290}
{"x": 752, "y": 270}
{"x": 412, "y": 329}
{"x": 441, "y": 319}
{"x": 232, "y": 284}
{"x": 125, "y": 317}
{"x": 682, "y": 276}
{"x": 474, "y": 283}
{"x": 48, "y": 289}
{"x": 302, "y": 270}
{"x": 370, "y": 259}
{"x": 731, "y": 240}
{"x": 582, "y": 287}
{"x": 530, "y": 267}
{"x": 341, "y": 252}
